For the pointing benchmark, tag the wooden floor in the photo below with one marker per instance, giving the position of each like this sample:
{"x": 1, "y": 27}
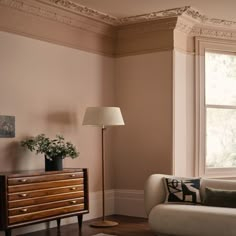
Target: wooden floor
{"x": 128, "y": 226}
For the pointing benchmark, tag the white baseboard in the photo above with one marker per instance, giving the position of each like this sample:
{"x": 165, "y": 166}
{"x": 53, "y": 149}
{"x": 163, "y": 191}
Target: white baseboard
{"x": 117, "y": 201}
{"x": 95, "y": 204}
{"x": 129, "y": 202}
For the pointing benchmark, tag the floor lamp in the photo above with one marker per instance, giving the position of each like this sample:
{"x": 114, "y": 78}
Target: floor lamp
{"x": 103, "y": 117}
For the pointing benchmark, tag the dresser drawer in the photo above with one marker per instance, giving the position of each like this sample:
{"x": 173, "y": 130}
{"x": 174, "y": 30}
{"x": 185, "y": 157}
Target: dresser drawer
{"x": 45, "y": 206}
{"x": 45, "y": 199}
{"x": 41, "y": 193}
{"x": 44, "y": 214}
{"x": 31, "y": 197}
{"x": 43, "y": 178}
{"x": 44, "y": 185}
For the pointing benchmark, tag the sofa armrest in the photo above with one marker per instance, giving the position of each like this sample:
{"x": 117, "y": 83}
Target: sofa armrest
{"x": 154, "y": 191}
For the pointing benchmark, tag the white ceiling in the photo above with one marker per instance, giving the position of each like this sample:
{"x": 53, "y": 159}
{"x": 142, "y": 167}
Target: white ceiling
{"x": 221, "y": 9}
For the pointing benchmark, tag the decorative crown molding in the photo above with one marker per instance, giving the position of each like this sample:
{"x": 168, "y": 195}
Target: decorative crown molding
{"x": 185, "y": 19}
{"x": 203, "y": 30}
{"x": 37, "y": 11}
{"x": 43, "y": 11}
{"x": 106, "y": 18}
{"x": 83, "y": 10}
{"x": 184, "y": 27}
{"x": 196, "y": 15}
{"x": 175, "y": 12}
{"x": 213, "y": 33}
{"x": 112, "y": 20}
{"x": 78, "y": 9}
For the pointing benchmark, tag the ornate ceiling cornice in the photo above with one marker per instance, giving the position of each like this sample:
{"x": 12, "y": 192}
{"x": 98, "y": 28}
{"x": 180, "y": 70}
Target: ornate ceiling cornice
{"x": 204, "y": 31}
{"x": 29, "y": 7}
{"x": 213, "y": 33}
{"x": 196, "y": 15}
{"x": 82, "y": 10}
{"x": 106, "y": 18}
{"x": 190, "y": 21}
{"x": 35, "y": 10}
{"x": 175, "y": 12}
{"x": 71, "y": 6}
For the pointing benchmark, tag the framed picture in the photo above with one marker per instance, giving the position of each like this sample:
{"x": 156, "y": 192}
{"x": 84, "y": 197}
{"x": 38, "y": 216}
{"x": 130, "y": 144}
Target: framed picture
{"x": 7, "y": 126}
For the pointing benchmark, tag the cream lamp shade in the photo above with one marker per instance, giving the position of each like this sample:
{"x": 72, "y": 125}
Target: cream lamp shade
{"x": 103, "y": 116}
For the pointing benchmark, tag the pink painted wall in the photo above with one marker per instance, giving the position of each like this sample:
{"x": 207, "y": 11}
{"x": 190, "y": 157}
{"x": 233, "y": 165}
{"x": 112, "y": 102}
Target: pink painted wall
{"x": 183, "y": 118}
{"x": 47, "y": 88}
{"x": 144, "y": 93}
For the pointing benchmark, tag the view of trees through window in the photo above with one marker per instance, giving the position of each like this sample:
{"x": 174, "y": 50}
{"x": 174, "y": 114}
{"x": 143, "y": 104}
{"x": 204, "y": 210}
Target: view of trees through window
{"x": 220, "y": 105}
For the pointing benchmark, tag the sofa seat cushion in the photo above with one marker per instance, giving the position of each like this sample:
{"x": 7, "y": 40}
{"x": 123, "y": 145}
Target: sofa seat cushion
{"x": 192, "y": 220}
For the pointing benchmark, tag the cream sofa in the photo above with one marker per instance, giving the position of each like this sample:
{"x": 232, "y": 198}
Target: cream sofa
{"x": 188, "y": 220}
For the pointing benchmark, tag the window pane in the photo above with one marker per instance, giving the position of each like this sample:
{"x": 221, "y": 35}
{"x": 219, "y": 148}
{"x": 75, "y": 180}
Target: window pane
{"x": 220, "y": 76}
{"x": 221, "y": 138}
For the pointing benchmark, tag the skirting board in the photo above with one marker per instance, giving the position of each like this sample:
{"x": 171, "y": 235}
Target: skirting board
{"x": 117, "y": 201}
{"x": 129, "y": 202}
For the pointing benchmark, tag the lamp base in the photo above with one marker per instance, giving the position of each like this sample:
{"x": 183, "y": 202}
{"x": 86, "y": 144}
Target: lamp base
{"x": 103, "y": 224}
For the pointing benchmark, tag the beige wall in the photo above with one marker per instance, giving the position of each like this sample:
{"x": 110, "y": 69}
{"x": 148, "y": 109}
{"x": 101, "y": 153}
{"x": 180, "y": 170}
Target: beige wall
{"x": 183, "y": 113}
{"x": 47, "y": 88}
{"x": 190, "y": 113}
{"x": 144, "y": 93}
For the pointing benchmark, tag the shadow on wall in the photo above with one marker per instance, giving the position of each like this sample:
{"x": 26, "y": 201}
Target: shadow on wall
{"x": 15, "y": 158}
{"x": 62, "y": 121}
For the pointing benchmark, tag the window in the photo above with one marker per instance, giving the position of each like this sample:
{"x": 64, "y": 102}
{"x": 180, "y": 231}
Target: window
{"x": 217, "y": 110}
{"x": 220, "y": 105}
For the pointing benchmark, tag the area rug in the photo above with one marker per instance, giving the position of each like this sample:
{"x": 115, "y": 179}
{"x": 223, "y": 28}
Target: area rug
{"x": 101, "y": 234}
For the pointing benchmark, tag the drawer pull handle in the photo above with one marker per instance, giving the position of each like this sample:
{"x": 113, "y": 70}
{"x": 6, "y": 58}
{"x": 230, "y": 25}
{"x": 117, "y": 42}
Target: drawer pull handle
{"x": 73, "y": 188}
{"x": 73, "y": 202}
{"x": 23, "y": 195}
{"x": 73, "y": 175}
{"x": 22, "y": 180}
{"x": 24, "y": 210}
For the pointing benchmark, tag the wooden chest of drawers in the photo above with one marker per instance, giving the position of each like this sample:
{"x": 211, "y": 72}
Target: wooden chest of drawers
{"x": 38, "y": 196}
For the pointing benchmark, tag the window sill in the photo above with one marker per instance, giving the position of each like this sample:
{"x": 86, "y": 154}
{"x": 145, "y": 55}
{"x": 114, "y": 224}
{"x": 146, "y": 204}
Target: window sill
{"x": 220, "y": 173}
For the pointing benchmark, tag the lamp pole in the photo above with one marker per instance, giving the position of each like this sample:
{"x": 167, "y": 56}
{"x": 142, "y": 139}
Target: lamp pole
{"x": 103, "y": 117}
{"x": 103, "y": 223}
{"x": 103, "y": 174}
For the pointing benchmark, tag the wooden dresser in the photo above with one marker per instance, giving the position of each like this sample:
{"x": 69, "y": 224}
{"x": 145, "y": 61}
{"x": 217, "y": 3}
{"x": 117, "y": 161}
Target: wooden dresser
{"x": 39, "y": 196}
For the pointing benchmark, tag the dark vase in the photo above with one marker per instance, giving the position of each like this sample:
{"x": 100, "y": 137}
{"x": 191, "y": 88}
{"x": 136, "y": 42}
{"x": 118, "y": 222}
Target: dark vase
{"x": 53, "y": 164}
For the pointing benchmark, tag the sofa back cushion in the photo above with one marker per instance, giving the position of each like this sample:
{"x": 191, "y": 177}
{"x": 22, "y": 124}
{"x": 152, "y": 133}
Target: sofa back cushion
{"x": 216, "y": 184}
{"x": 220, "y": 198}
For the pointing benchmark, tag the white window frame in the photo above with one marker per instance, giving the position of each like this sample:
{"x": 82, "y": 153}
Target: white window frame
{"x": 202, "y": 45}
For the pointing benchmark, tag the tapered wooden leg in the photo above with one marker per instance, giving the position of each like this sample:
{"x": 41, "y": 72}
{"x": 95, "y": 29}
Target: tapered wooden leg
{"x": 58, "y": 223}
{"x": 8, "y": 232}
{"x": 80, "y": 220}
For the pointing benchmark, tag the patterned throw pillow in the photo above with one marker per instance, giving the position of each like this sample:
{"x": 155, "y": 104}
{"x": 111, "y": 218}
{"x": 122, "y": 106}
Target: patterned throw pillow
{"x": 182, "y": 190}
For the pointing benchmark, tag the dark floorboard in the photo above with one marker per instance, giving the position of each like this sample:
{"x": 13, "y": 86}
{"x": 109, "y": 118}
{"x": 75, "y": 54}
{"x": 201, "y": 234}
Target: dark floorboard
{"x": 128, "y": 226}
